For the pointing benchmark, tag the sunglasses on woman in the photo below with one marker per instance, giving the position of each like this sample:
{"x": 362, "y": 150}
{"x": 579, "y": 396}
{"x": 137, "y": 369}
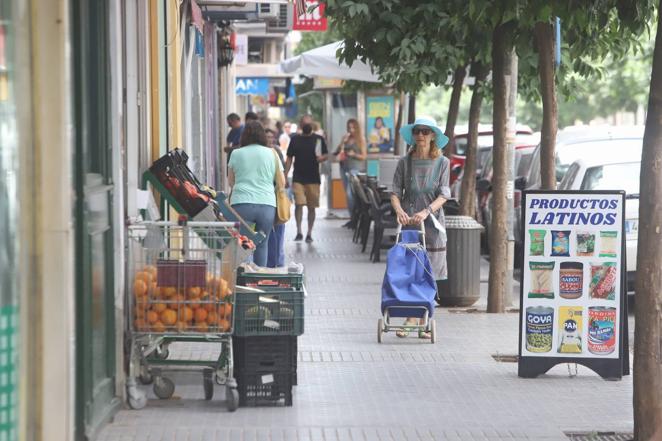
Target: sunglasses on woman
{"x": 422, "y": 131}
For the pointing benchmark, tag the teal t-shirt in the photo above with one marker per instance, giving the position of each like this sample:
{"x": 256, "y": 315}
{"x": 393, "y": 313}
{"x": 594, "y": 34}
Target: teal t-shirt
{"x": 254, "y": 169}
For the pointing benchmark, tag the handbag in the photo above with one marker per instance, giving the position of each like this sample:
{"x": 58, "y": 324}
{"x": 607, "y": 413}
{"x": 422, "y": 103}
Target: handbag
{"x": 283, "y": 204}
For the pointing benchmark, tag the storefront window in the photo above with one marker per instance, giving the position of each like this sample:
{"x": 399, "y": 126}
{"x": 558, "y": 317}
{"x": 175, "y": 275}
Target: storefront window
{"x": 8, "y": 227}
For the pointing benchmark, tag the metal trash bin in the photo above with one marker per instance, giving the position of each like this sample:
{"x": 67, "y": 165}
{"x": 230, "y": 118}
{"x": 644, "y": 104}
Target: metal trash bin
{"x": 463, "y": 259}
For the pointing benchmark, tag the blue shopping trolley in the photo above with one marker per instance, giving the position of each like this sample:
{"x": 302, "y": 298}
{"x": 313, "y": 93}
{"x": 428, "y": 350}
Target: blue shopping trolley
{"x": 409, "y": 287}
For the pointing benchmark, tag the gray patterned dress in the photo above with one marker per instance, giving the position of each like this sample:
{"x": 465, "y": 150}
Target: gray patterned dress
{"x": 428, "y": 179}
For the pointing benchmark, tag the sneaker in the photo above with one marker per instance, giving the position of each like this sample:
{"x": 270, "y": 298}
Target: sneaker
{"x": 309, "y": 239}
{"x": 298, "y": 237}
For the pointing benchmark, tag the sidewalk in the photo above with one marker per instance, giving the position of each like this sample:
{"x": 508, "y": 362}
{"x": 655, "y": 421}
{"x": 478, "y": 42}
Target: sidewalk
{"x": 352, "y": 388}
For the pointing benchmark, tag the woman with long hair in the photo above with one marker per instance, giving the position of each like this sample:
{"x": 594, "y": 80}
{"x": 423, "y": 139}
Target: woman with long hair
{"x": 254, "y": 169}
{"x": 420, "y": 189}
{"x": 352, "y": 152}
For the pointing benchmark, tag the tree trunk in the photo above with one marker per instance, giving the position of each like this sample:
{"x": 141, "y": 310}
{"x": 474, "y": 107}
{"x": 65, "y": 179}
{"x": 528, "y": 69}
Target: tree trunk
{"x": 398, "y": 124}
{"x": 468, "y": 187}
{"x": 544, "y": 34}
{"x": 648, "y": 311}
{"x": 411, "y": 115}
{"x": 454, "y": 108}
{"x": 501, "y": 52}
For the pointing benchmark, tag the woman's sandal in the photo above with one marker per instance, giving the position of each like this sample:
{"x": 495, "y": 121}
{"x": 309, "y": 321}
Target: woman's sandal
{"x": 402, "y": 333}
{"x": 427, "y": 335}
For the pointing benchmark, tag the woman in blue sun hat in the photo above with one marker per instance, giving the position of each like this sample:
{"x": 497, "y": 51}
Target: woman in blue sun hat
{"x": 420, "y": 189}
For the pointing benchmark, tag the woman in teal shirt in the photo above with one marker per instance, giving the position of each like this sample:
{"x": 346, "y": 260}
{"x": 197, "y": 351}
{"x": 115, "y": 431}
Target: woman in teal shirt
{"x": 253, "y": 171}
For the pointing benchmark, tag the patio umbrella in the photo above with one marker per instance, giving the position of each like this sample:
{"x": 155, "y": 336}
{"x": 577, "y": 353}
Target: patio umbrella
{"x": 322, "y": 62}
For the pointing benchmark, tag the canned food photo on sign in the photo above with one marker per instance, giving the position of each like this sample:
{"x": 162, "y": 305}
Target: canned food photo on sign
{"x": 539, "y": 328}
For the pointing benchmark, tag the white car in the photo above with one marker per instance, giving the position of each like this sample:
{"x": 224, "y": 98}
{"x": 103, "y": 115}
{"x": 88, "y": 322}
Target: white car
{"x": 613, "y": 170}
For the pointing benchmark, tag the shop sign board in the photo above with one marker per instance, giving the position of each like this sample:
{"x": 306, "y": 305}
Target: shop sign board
{"x": 252, "y": 86}
{"x": 309, "y": 16}
{"x": 380, "y": 120}
{"x": 573, "y": 296}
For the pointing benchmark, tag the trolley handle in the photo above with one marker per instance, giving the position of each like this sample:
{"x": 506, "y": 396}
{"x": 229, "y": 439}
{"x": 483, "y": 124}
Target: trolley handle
{"x": 188, "y": 224}
{"x": 421, "y": 232}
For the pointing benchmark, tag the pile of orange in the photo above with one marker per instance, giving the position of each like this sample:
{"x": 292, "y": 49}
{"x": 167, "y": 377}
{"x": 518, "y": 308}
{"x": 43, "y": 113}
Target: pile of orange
{"x": 185, "y": 309}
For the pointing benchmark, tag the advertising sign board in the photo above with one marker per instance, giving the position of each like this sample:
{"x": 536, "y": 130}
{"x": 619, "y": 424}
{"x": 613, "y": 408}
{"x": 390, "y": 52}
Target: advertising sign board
{"x": 573, "y": 301}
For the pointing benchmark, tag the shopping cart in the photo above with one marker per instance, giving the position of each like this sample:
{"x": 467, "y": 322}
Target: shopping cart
{"x": 409, "y": 288}
{"x": 181, "y": 284}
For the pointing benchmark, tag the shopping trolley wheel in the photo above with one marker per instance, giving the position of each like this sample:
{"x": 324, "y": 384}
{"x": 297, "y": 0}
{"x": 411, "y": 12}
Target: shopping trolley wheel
{"x": 232, "y": 398}
{"x": 208, "y": 383}
{"x": 433, "y": 331}
{"x": 380, "y": 330}
{"x": 163, "y": 387}
{"x": 145, "y": 377}
{"x": 137, "y": 401}
{"x": 162, "y": 352}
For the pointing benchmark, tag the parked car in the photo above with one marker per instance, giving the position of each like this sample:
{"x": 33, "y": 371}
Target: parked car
{"x": 484, "y": 144}
{"x": 613, "y": 170}
{"x": 572, "y": 144}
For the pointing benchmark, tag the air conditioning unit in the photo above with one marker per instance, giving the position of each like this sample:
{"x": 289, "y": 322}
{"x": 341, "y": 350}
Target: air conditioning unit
{"x": 217, "y": 10}
{"x": 283, "y": 23}
{"x": 268, "y": 11}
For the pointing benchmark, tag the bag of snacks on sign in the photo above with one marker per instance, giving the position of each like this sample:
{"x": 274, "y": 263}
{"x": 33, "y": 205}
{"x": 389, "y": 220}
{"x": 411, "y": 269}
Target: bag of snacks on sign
{"x": 608, "y": 243}
{"x": 585, "y": 244}
{"x": 537, "y": 247}
{"x": 561, "y": 243}
{"x": 541, "y": 280}
{"x": 603, "y": 281}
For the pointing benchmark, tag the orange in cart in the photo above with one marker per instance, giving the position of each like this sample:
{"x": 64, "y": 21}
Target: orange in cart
{"x": 145, "y": 277}
{"x": 152, "y": 317}
{"x": 200, "y": 315}
{"x": 201, "y": 327}
{"x": 194, "y": 292}
{"x": 168, "y": 291}
{"x": 182, "y": 326}
{"x": 186, "y": 313}
{"x": 169, "y": 317}
{"x": 158, "y": 327}
{"x": 140, "y": 325}
{"x": 225, "y": 310}
{"x": 212, "y": 318}
{"x": 139, "y": 288}
{"x": 159, "y": 307}
{"x": 224, "y": 325}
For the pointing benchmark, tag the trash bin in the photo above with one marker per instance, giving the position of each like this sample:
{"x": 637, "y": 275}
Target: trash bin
{"x": 463, "y": 259}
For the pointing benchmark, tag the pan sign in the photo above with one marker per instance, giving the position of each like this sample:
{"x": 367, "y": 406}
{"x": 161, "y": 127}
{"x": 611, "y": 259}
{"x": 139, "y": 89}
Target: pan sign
{"x": 573, "y": 301}
{"x": 309, "y": 16}
{"x": 252, "y": 86}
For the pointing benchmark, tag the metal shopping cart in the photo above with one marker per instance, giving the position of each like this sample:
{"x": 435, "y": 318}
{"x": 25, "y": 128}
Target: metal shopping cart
{"x": 409, "y": 288}
{"x": 181, "y": 289}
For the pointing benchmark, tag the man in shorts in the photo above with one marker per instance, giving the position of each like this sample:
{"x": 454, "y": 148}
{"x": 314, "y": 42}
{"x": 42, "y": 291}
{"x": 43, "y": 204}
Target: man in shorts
{"x": 307, "y": 150}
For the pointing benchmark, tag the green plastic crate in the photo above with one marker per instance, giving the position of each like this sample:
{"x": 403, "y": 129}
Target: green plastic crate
{"x": 271, "y": 281}
{"x": 269, "y": 313}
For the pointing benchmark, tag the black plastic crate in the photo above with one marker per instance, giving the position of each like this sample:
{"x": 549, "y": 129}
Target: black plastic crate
{"x": 278, "y": 282}
{"x": 269, "y": 313}
{"x": 264, "y": 388}
{"x": 255, "y": 354}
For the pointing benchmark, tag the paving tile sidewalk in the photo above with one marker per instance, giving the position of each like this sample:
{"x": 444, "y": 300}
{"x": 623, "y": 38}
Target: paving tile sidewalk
{"x": 352, "y": 388}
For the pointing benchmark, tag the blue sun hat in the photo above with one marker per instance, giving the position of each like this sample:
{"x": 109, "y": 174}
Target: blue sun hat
{"x": 440, "y": 139}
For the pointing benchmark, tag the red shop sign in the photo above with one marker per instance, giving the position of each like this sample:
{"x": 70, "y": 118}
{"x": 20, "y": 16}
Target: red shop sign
{"x": 309, "y": 15}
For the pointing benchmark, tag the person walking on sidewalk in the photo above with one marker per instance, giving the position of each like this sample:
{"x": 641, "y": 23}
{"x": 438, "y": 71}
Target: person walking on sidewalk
{"x": 276, "y": 247}
{"x": 307, "y": 151}
{"x": 352, "y": 153}
{"x": 420, "y": 189}
{"x": 253, "y": 170}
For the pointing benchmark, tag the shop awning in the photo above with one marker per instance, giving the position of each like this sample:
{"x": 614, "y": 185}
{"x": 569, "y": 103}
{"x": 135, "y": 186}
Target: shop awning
{"x": 322, "y": 62}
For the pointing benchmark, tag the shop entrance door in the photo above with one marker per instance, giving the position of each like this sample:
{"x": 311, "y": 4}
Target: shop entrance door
{"x": 95, "y": 343}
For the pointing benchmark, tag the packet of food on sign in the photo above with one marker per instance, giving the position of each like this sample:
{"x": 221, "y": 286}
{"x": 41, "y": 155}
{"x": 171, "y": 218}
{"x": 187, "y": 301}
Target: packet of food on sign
{"x": 561, "y": 243}
{"x": 537, "y": 247}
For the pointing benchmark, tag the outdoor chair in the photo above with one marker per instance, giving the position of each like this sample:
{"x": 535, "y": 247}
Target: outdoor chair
{"x": 383, "y": 218}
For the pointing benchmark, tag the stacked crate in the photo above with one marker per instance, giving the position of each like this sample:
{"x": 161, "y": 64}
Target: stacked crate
{"x": 266, "y": 328}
